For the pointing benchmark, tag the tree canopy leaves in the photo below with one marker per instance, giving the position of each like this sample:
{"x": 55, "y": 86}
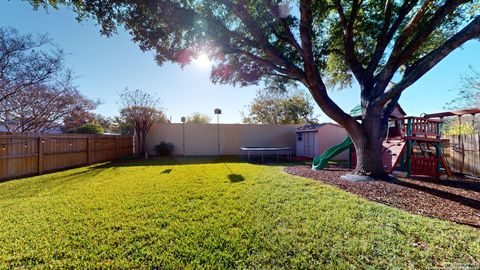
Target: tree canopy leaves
{"x": 280, "y": 108}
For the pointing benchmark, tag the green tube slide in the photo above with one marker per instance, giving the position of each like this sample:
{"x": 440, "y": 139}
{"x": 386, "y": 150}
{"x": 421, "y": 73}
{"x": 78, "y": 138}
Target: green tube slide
{"x": 320, "y": 162}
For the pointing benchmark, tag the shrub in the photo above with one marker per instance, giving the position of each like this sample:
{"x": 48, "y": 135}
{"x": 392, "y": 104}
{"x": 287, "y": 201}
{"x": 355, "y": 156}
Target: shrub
{"x": 89, "y": 128}
{"x": 164, "y": 149}
{"x": 459, "y": 129}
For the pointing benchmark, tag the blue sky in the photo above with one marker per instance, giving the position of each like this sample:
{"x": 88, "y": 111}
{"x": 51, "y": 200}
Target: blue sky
{"x": 105, "y": 66}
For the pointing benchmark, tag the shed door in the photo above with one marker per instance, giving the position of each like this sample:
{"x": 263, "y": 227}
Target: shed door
{"x": 300, "y": 151}
{"x": 309, "y": 144}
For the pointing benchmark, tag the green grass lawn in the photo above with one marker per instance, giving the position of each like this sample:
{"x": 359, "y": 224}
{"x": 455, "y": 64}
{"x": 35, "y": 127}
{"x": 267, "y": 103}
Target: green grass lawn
{"x": 206, "y": 214}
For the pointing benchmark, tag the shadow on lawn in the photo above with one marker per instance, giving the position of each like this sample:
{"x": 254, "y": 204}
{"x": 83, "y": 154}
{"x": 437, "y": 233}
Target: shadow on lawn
{"x": 197, "y": 160}
{"x": 475, "y": 204}
{"x": 234, "y": 178}
{"x": 50, "y": 182}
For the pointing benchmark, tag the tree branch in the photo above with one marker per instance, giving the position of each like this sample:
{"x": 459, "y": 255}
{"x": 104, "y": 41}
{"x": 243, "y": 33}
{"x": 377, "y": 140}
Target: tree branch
{"x": 388, "y": 32}
{"x": 265, "y": 45}
{"x": 313, "y": 80}
{"x": 291, "y": 38}
{"x": 424, "y": 64}
{"x": 401, "y": 53}
{"x": 349, "y": 45}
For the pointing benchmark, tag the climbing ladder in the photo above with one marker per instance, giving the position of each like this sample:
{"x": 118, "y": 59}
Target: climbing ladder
{"x": 391, "y": 153}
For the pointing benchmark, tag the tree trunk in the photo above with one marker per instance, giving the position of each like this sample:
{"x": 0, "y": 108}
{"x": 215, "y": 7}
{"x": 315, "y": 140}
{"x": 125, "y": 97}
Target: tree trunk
{"x": 139, "y": 143}
{"x": 367, "y": 136}
{"x": 142, "y": 146}
{"x": 367, "y": 140}
{"x": 369, "y": 156}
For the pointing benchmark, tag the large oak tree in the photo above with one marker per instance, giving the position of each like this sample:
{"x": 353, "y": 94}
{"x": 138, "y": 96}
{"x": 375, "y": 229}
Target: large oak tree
{"x": 320, "y": 44}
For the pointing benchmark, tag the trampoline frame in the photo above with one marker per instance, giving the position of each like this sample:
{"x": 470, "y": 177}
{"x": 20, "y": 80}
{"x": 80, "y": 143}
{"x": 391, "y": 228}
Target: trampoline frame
{"x": 287, "y": 151}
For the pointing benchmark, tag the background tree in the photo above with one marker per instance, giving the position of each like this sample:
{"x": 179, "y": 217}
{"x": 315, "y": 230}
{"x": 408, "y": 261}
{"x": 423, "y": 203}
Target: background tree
{"x": 198, "y": 118}
{"x": 385, "y": 45}
{"x": 75, "y": 119}
{"x": 27, "y": 61}
{"x": 104, "y": 122}
{"x": 36, "y": 92}
{"x": 120, "y": 124}
{"x": 456, "y": 128}
{"x": 468, "y": 95}
{"x": 41, "y": 108}
{"x": 141, "y": 109}
{"x": 280, "y": 107}
{"x": 90, "y": 128}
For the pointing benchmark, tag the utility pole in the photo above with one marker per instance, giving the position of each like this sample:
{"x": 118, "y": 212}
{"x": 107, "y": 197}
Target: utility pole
{"x": 218, "y": 112}
{"x": 183, "y": 134}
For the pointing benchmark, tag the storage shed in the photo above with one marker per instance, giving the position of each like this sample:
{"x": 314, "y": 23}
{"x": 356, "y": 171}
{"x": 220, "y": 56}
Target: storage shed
{"x": 313, "y": 140}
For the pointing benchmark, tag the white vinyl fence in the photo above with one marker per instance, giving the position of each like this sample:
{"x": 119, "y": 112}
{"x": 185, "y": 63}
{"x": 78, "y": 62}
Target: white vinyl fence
{"x": 205, "y": 139}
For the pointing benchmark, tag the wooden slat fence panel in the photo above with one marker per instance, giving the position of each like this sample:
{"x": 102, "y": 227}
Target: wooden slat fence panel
{"x": 464, "y": 154}
{"x": 30, "y": 154}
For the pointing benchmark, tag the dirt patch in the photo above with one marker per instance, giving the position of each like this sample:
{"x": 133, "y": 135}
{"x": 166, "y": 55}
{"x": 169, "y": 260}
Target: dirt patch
{"x": 454, "y": 200}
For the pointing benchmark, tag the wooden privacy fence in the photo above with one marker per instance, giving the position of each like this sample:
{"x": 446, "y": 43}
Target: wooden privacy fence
{"x": 464, "y": 154}
{"x": 25, "y": 154}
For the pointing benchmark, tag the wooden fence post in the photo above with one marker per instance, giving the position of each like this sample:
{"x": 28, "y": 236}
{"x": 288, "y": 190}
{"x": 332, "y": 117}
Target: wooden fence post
{"x": 116, "y": 147}
{"x": 478, "y": 145}
{"x": 89, "y": 154}
{"x": 40, "y": 154}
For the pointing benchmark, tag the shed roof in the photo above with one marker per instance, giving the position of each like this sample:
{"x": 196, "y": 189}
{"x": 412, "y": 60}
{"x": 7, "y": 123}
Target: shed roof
{"x": 314, "y": 127}
{"x": 356, "y": 112}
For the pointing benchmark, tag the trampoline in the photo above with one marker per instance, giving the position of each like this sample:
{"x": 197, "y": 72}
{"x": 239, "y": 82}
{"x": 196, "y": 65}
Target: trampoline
{"x": 265, "y": 151}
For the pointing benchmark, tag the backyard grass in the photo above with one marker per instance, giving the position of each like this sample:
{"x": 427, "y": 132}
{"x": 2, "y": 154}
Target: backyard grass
{"x": 204, "y": 213}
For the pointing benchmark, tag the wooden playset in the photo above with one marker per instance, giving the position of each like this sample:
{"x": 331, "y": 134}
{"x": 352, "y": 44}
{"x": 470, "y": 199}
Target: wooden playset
{"x": 413, "y": 145}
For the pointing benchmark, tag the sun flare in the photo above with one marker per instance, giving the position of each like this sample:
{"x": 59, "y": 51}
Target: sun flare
{"x": 202, "y": 61}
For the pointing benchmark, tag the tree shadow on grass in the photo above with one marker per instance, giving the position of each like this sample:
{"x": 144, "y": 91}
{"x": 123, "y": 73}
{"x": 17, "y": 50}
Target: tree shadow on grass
{"x": 190, "y": 160}
{"x": 49, "y": 182}
{"x": 170, "y": 161}
{"x": 234, "y": 178}
{"x": 166, "y": 171}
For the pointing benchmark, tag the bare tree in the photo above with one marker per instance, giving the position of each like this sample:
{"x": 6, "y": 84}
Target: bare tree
{"x": 468, "y": 95}
{"x": 40, "y": 108}
{"x": 142, "y": 110}
{"x": 27, "y": 61}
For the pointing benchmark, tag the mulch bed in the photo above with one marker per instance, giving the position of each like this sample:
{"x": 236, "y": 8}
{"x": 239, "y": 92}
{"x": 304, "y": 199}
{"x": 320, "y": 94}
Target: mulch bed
{"x": 454, "y": 200}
